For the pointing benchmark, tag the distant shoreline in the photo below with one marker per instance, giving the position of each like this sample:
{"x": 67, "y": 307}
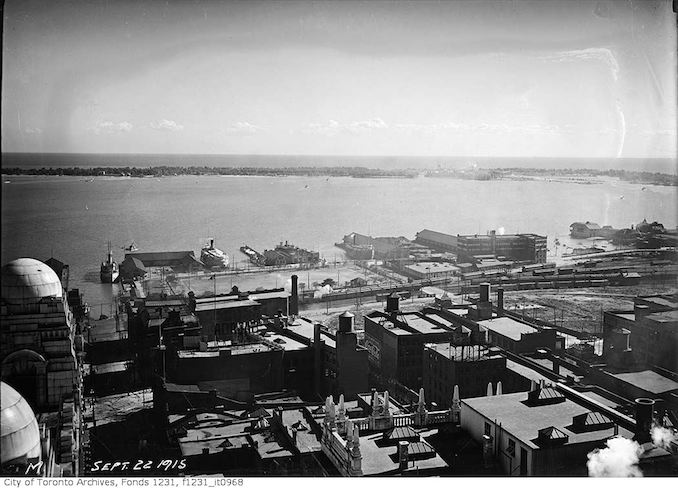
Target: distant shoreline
{"x": 582, "y": 176}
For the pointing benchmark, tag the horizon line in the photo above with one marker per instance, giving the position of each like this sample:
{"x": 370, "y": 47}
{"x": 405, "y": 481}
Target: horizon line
{"x": 675, "y": 158}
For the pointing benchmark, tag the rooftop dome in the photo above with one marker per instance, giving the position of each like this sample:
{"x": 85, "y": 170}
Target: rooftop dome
{"x": 26, "y": 281}
{"x": 20, "y": 439}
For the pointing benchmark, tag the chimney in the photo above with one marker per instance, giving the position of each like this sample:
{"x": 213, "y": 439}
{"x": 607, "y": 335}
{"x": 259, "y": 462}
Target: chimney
{"x": 493, "y": 241}
{"x": 294, "y": 298}
{"x": 403, "y": 448}
{"x": 500, "y": 301}
{"x": 484, "y": 292}
{"x": 644, "y": 416}
{"x": 641, "y": 311}
{"x": 556, "y": 366}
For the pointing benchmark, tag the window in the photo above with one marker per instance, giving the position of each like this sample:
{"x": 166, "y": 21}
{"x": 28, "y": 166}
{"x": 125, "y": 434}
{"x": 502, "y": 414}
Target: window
{"x": 511, "y": 449}
{"x": 488, "y": 429}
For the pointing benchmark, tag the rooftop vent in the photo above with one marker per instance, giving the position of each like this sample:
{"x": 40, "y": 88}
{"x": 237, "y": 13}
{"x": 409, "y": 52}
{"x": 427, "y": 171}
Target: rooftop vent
{"x": 591, "y": 421}
{"x": 397, "y": 434}
{"x": 420, "y": 450}
{"x": 545, "y": 396}
{"x": 551, "y": 436}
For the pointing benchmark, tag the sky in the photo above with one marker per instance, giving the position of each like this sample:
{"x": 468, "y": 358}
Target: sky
{"x": 450, "y": 78}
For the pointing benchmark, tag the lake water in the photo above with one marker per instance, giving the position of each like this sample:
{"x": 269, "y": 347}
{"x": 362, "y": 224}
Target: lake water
{"x": 72, "y": 218}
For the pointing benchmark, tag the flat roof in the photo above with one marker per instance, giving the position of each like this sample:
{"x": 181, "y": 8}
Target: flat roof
{"x": 268, "y": 295}
{"x": 648, "y": 380}
{"x": 306, "y": 439}
{"x": 212, "y": 305}
{"x": 523, "y": 422}
{"x": 305, "y": 328}
{"x": 463, "y": 353}
{"x": 423, "y": 326}
{"x": 432, "y": 267}
{"x": 252, "y": 348}
{"x": 525, "y": 371}
{"x": 175, "y": 302}
{"x": 302, "y": 327}
{"x": 268, "y": 446}
{"x": 287, "y": 343}
{"x": 507, "y": 327}
{"x": 381, "y": 460}
{"x": 214, "y": 438}
{"x": 439, "y": 318}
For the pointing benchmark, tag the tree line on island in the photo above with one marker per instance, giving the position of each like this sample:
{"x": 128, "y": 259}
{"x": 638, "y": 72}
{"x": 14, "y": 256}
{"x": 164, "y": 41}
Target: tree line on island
{"x": 643, "y": 177}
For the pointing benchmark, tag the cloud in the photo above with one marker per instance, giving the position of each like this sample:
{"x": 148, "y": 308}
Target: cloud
{"x": 108, "y": 127}
{"x": 602, "y": 54}
{"x": 243, "y": 128}
{"x": 33, "y": 130}
{"x": 166, "y": 125}
{"x": 481, "y": 127}
{"x": 332, "y": 127}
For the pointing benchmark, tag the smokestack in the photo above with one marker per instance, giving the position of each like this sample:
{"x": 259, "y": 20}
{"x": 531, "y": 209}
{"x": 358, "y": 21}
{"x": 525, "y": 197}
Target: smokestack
{"x": 644, "y": 415}
{"x": 484, "y": 292}
{"x": 493, "y": 241}
{"x": 500, "y": 301}
{"x": 294, "y": 299}
{"x": 403, "y": 448}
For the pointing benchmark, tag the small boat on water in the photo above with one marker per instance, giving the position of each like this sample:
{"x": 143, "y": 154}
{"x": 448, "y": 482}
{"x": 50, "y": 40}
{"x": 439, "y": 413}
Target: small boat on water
{"x": 213, "y": 257}
{"x": 132, "y": 247}
{"x": 109, "y": 268}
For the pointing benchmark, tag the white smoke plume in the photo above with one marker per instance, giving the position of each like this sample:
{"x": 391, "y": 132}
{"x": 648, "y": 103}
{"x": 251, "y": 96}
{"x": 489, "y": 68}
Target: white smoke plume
{"x": 662, "y": 437}
{"x": 618, "y": 460}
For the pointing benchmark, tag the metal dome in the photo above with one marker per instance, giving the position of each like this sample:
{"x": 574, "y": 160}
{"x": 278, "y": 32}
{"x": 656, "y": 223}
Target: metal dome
{"x": 20, "y": 436}
{"x": 26, "y": 281}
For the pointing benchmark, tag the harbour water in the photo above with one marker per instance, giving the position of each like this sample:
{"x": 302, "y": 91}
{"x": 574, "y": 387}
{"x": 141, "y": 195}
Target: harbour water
{"x": 73, "y": 218}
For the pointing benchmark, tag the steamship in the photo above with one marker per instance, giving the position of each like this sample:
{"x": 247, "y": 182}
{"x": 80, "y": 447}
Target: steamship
{"x": 109, "y": 268}
{"x": 213, "y": 257}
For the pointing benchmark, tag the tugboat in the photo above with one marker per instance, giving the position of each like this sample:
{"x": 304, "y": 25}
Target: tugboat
{"x": 132, "y": 247}
{"x": 109, "y": 268}
{"x": 213, "y": 257}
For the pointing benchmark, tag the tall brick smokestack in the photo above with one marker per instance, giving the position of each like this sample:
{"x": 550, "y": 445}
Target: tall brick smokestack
{"x": 294, "y": 299}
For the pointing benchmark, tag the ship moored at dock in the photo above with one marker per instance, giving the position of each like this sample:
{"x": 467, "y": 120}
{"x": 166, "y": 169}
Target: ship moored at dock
{"x": 109, "y": 268}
